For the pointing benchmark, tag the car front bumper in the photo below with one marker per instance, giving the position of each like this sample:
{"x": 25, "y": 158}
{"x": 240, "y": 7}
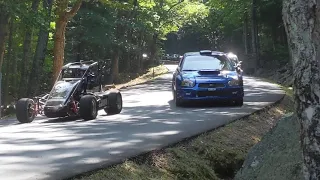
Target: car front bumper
{"x": 55, "y": 111}
{"x": 201, "y": 94}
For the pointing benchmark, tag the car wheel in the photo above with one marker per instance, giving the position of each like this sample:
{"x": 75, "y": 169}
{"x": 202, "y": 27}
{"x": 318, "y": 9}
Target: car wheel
{"x": 115, "y": 103}
{"x": 177, "y": 101}
{"x": 239, "y": 102}
{"x": 88, "y": 107}
{"x": 25, "y": 111}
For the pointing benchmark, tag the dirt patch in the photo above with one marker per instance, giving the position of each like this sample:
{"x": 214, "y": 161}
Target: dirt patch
{"x": 218, "y": 154}
{"x": 151, "y": 74}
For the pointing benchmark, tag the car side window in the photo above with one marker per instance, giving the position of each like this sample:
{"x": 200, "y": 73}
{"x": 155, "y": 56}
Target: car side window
{"x": 93, "y": 80}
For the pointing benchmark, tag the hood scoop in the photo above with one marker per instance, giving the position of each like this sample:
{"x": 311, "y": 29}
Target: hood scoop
{"x": 209, "y": 72}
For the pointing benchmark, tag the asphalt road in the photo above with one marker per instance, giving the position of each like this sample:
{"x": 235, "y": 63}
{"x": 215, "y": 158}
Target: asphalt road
{"x": 56, "y": 149}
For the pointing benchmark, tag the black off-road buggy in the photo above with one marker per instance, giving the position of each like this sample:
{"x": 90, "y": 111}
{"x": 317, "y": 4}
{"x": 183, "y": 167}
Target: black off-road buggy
{"x": 77, "y": 92}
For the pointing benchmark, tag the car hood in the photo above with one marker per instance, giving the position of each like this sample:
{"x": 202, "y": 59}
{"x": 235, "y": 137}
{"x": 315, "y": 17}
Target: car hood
{"x": 60, "y": 92}
{"x": 209, "y": 75}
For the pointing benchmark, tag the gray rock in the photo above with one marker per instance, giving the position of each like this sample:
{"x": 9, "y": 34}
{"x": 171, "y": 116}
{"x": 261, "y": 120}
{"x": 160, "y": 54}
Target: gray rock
{"x": 277, "y": 156}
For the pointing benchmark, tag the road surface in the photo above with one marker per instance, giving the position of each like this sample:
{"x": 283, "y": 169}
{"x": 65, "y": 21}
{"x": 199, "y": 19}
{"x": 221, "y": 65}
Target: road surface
{"x": 55, "y": 149}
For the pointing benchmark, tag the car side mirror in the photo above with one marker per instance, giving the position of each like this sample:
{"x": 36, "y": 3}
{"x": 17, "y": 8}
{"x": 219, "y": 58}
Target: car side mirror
{"x": 238, "y": 64}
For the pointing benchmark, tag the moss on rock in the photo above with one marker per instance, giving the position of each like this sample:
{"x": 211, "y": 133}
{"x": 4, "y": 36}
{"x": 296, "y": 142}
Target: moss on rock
{"x": 277, "y": 156}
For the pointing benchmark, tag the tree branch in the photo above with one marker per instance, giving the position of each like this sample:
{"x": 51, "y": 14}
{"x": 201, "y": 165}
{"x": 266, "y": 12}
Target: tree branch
{"x": 74, "y": 9}
{"x": 161, "y": 18}
{"x": 181, "y": 1}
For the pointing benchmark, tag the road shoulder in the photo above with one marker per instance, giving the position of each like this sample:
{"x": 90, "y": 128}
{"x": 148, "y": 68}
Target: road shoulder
{"x": 219, "y": 153}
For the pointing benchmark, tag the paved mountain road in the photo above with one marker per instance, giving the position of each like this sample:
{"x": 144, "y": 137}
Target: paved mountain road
{"x": 55, "y": 149}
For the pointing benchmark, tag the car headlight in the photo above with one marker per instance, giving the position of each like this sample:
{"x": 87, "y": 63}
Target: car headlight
{"x": 187, "y": 83}
{"x": 234, "y": 82}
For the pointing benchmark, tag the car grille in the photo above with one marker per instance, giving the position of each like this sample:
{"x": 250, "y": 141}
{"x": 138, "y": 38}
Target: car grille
{"x": 54, "y": 102}
{"x": 214, "y": 93}
{"x": 211, "y": 85}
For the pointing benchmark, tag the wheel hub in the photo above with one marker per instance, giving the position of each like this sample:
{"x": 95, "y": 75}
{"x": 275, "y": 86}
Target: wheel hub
{"x": 94, "y": 107}
{"x": 119, "y": 102}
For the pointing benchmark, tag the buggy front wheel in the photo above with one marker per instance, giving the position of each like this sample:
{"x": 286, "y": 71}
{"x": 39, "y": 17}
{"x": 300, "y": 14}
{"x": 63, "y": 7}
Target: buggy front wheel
{"x": 88, "y": 107}
{"x": 25, "y": 110}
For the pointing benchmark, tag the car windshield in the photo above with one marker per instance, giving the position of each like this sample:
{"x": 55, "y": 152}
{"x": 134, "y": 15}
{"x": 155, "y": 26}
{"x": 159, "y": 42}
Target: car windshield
{"x": 62, "y": 89}
{"x": 196, "y": 63}
{"x": 73, "y": 73}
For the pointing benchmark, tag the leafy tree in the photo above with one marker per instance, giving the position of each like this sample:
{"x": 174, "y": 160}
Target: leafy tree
{"x": 63, "y": 16}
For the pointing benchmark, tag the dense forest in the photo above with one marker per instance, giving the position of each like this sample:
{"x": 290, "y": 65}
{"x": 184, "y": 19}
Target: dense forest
{"x": 39, "y": 36}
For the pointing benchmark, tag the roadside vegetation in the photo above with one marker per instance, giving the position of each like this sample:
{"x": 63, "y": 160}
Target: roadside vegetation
{"x": 131, "y": 36}
{"x": 150, "y": 74}
{"x": 38, "y": 36}
{"x": 218, "y": 154}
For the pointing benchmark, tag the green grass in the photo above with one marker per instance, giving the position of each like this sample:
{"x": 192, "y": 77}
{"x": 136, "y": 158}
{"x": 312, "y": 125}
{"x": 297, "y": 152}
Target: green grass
{"x": 151, "y": 73}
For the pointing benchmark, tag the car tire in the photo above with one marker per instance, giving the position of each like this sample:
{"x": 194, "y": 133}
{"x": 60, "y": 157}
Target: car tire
{"x": 114, "y": 103}
{"x": 177, "y": 101}
{"x": 239, "y": 102}
{"x": 88, "y": 107}
{"x": 24, "y": 110}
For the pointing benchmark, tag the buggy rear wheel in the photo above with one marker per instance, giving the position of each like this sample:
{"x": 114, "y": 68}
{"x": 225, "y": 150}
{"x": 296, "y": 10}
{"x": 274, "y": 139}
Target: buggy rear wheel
{"x": 25, "y": 110}
{"x": 88, "y": 107}
{"x": 115, "y": 103}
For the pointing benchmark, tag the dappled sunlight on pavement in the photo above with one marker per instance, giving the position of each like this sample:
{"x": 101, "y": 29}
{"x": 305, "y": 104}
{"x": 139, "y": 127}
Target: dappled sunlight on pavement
{"x": 55, "y": 149}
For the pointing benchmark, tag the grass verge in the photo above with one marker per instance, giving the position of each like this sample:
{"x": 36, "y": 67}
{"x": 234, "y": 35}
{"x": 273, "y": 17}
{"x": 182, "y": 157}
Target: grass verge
{"x": 218, "y": 154}
{"x": 151, "y": 74}
{"x": 288, "y": 90}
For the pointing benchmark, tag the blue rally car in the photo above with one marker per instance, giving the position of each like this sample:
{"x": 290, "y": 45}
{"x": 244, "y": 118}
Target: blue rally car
{"x": 207, "y": 76}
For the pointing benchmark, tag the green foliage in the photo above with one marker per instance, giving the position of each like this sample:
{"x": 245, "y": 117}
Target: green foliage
{"x": 99, "y": 30}
{"x": 221, "y": 27}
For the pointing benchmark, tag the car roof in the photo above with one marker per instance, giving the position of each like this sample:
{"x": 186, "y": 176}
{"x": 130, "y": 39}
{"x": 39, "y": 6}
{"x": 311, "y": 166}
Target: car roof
{"x": 80, "y": 65}
{"x": 204, "y": 53}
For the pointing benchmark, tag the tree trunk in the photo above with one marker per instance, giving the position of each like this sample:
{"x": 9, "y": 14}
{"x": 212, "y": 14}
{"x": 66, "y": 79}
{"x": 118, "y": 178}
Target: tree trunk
{"x": 59, "y": 45}
{"x": 26, "y": 53}
{"x": 40, "y": 53}
{"x": 302, "y": 23}
{"x": 6, "y": 82}
{"x": 245, "y": 32}
{"x": 153, "y": 50}
{"x": 79, "y": 51}
{"x": 59, "y": 37}
{"x": 254, "y": 33}
{"x": 4, "y": 22}
{"x": 274, "y": 37}
{"x": 13, "y": 63}
{"x": 115, "y": 66}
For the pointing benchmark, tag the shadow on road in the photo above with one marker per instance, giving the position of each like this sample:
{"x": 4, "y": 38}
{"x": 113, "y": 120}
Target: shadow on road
{"x": 59, "y": 148}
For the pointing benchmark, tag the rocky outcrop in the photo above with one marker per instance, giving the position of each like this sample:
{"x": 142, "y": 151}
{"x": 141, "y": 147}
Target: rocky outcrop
{"x": 277, "y": 156}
